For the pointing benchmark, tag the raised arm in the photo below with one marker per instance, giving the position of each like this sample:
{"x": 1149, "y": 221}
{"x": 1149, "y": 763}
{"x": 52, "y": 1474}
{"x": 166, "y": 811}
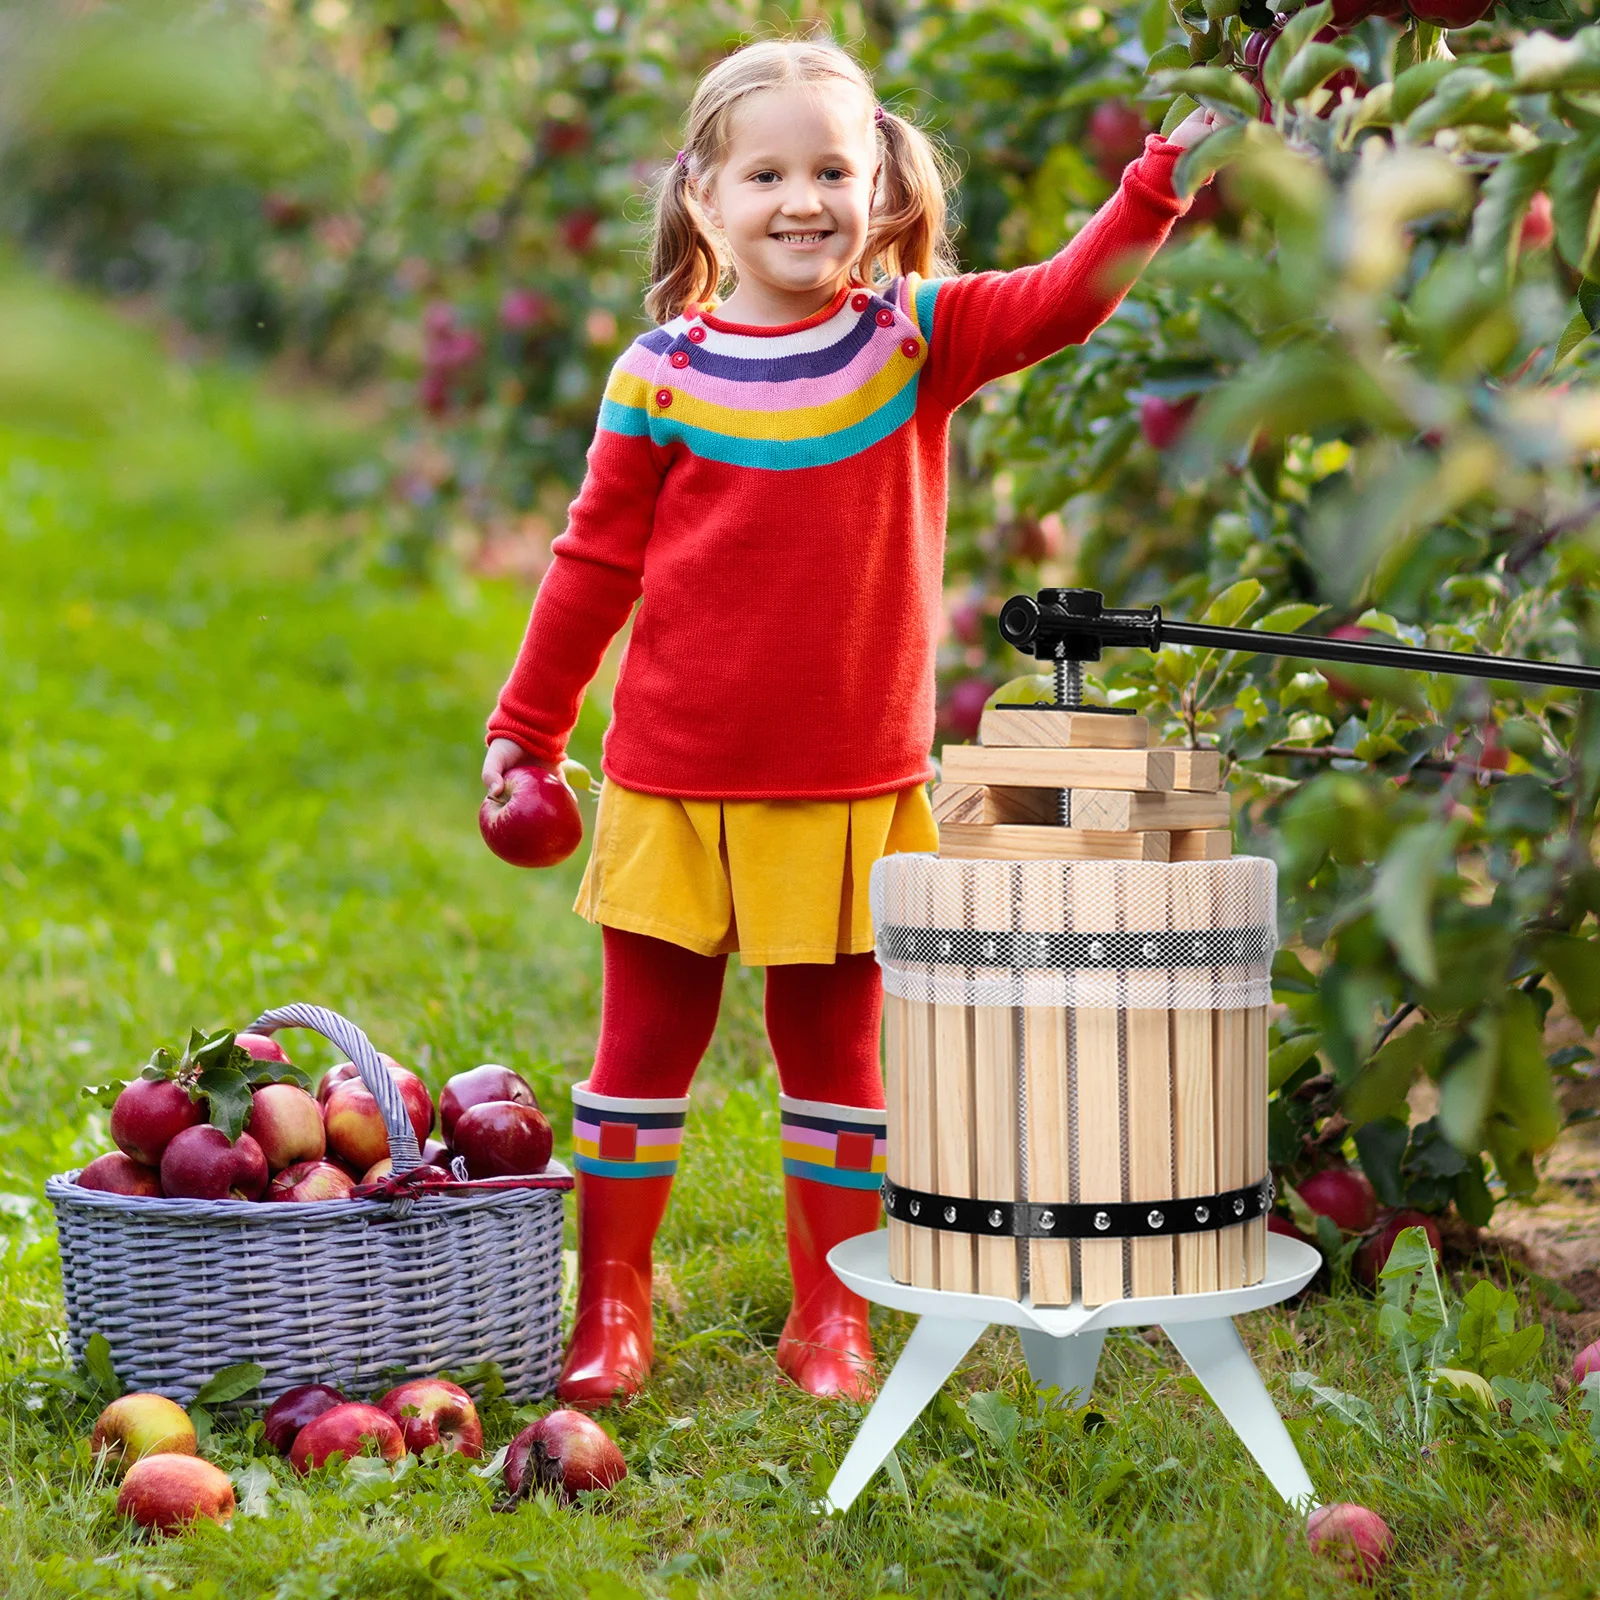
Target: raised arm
{"x": 984, "y": 324}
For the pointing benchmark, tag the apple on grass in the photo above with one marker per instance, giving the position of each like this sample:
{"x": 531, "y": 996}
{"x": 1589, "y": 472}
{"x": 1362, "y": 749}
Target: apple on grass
{"x": 295, "y": 1409}
{"x": 165, "y": 1492}
{"x": 499, "y": 1139}
{"x": 200, "y": 1164}
{"x": 138, "y": 1425}
{"x": 287, "y": 1123}
{"x": 349, "y": 1430}
{"x": 115, "y": 1173}
{"x": 1358, "y": 1539}
{"x": 307, "y": 1181}
{"x": 477, "y": 1086}
{"x": 148, "y": 1115}
{"x": 433, "y": 1411}
{"x": 534, "y": 820}
{"x": 565, "y": 1451}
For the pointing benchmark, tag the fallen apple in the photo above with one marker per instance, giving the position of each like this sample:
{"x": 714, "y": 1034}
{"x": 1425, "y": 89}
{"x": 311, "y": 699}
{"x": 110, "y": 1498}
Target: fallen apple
{"x": 1343, "y": 1195}
{"x": 200, "y": 1164}
{"x": 478, "y": 1086}
{"x": 167, "y": 1491}
{"x": 261, "y": 1047}
{"x": 115, "y": 1173}
{"x": 347, "y": 1430}
{"x": 308, "y": 1181}
{"x": 139, "y": 1425}
{"x": 1586, "y": 1361}
{"x": 295, "y": 1409}
{"x": 501, "y": 1140}
{"x": 434, "y": 1411}
{"x": 534, "y": 820}
{"x": 1358, "y": 1539}
{"x": 566, "y": 1451}
{"x": 287, "y": 1123}
{"x": 148, "y": 1115}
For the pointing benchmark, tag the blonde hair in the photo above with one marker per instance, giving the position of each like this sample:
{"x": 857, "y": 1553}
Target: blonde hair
{"x": 906, "y": 231}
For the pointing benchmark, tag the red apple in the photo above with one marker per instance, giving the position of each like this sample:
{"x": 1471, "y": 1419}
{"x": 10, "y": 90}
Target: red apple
{"x": 1538, "y": 224}
{"x": 962, "y": 708}
{"x": 346, "y": 1430}
{"x": 346, "y": 1070}
{"x": 475, "y": 1087}
{"x": 139, "y": 1425}
{"x": 436, "y": 1153}
{"x": 356, "y": 1130}
{"x": 534, "y": 820}
{"x": 295, "y": 1409}
{"x": 1115, "y": 136}
{"x": 565, "y": 1450}
{"x": 1450, "y": 13}
{"x": 148, "y": 1115}
{"x": 200, "y": 1164}
{"x": 1373, "y": 1256}
{"x": 1163, "y": 421}
{"x": 433, "y": 1411}
{"x": 261, "y": 1047}
{"x": 1358, "y": 1539}
{"x": 1343, "y": 1195}
{"x": 578, "y": 229}
{"x": 382, "y": 1169}
{"x": 287, "y": 1123}
{"x": 1278, "y": 1223}
{"x": 166, "y": 1491}
{"x": 500, "y": 1140}
{"x": 307, "y": 1181}
{"x": 1586, "y": 1361}
{"x": 115, "y": 1173}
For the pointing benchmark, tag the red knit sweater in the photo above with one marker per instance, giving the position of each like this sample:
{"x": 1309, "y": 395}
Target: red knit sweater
{"x": 774, "y": 499}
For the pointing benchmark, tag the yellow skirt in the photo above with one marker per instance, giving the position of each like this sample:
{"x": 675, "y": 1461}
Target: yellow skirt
{"x": 776, "y": 880}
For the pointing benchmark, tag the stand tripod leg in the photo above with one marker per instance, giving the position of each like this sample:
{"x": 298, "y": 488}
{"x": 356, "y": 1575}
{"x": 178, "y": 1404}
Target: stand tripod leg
{"x": 932, "y": 1353}
{"x": 1067, "y": 1365}
{"x": 1220, "y": 1361}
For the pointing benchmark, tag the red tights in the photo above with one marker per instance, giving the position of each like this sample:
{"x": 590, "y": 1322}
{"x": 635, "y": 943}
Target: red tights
{"x": 659, "y": 1008}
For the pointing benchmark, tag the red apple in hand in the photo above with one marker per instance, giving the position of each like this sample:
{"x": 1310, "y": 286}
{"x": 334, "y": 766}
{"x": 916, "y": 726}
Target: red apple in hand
{"x": 432, "y": 1411}
{"x": 566, "y": 1451}
{"x": 501, "y": 1140}
{"x": 474, "y": 1088}
{"x": 534, "y": 820}
{"x": 261, "y": 1047}
{"x": 166, "y": 1491}
{"x": 148, "y": 1115}
{"x": 287, "y": 1123}
{"x": 200, "y": 1164}
{"x": 346, "y": 1430}
{"x": 116, "y": 1173}
{"x": 307, "y": 1181}
{"x": 295, "y": 1409}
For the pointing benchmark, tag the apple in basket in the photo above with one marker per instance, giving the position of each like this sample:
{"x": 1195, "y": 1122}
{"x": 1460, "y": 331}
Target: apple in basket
{"x": 433, "y": 1411}
{"x": 148, "y": 1115}
{"x": 115, "y": 1173}
{"x": 261, "y": 1047}
{"x": 287, "y": 1123}
{"x": 534, "y": 820}
{"x": 382, "y": 1169}
{"x": 139, "y": 1425}
{"x": 356, "y": 1131}
{"x": 468, "y": 1089}
{"x": 566, "y": 1451}
{"x": 348, "y": 1430}
{"x": 165, "y": 1492}
{"x": 306, "y": 1181}
{"x": 346, "y": 1070}
{"x": 200, "y": 1164}
{"x": 500, "y": 1139}
{"x": 295, "y": 1409}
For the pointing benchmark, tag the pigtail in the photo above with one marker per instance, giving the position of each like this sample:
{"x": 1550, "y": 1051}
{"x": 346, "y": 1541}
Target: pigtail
{"x": 908, "y": 222}
{"x": 685, "y": 265}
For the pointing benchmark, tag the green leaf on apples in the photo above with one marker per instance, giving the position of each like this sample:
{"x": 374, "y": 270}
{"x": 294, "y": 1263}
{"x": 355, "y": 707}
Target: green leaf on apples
{"x": 103, "y": 1094}
{"x": 97, "y": 1363}
{"x": 230, "y": 1383}
{"x": 261, "y": 1073}
{"x": 227, "y": 1093}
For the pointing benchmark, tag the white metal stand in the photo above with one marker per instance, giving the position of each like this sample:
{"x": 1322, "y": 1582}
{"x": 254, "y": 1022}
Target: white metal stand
{"x": 1062, "y": 1345}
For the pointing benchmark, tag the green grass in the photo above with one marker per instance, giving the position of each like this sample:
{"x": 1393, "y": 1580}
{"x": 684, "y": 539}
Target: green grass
{"x": 237, "y": 771}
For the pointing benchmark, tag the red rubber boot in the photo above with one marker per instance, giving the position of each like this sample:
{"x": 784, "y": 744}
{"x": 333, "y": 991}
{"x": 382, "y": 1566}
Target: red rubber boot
{"x": 626, "y": 1156}
{"x": 833, "y": 1171}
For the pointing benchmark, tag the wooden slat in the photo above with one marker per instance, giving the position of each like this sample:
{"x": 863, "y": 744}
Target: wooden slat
{"x": 1149, "y": 1089}
{"x": 1066, "y": 730}
{"x": 1255, "y": 1164}
{"x": 1116, "y": 810}
{"x": 1194, "y": 1100}
{"x": 964, "y": 841}
{"x": 896, "y": 1091}
{"x": 1201, "y": 844}
{"x": 977, "y": 803}
{"x": 1230, "y": 1086}
{"x": 1059, "y": 769}
{"x": 1097, "y": 1068}
{"x": 1195, "y": 769}
{"x": 996, "y": 1136}
{"x": 1040, "y": 910}
{"x": 952, "y": 1108}
{"x": 922, "y": 1164}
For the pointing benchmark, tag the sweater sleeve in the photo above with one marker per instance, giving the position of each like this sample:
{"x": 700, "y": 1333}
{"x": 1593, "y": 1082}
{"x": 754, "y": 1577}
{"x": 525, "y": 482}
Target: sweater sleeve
{"x": 984, "y": 324}
{"x": 596, "y": 574}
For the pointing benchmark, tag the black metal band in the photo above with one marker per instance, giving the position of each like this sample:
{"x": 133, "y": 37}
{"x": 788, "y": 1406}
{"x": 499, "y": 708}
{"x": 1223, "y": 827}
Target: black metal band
{"x": 976, "y": 947}
{"x": 1031, "y": 1219}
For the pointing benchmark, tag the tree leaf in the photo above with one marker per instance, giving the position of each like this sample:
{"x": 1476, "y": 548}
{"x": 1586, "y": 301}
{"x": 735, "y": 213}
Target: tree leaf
{"x": 1572, "y": 336}
{"x": 1210, "y": 155}
{"x": 1415, "y": 84}
{"x": 1381, "y": 1144}
{"x": 1502, "y": 201}
{"x": 97, "y": 1363}
{"x": 1575, "y": 965}
{"x": 1309, "y": 70}
{"x": 1300, "y": 28}
{"x": 1541, "y": 62}
{"x": 1216, "y": 88}
{"x": 1575, "y": 202}
{"x": 1466, "y": 1089}
{"x": 1288, "y": 1058}
{"x": 230, "y": 1383}
{"x": 1403, "y": 891}
{"x": 1228, "y": 608}
{"x": 1153, "y": 24}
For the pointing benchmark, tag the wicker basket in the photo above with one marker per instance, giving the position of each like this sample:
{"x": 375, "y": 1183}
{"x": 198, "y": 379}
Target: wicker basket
{"x": 355, "y": 1293}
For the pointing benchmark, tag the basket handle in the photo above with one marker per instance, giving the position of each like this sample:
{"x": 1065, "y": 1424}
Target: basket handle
{"x": 355, "y": 1044}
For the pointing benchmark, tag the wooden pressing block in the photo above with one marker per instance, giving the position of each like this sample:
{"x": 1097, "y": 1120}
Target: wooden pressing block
{"x": 965, "y": 841}
{"x": 1201, "y": 844}
{"x": 953, "y": 1121}
{"x": 1194, "y": 1101}
{"x": 996, "y": 1136}
{"x": 1115, "y": 810}
{"x": 1065, "y": 730}
{"x": 1194, "y": 769}
{"x": 973, "y": 802}
{"x": 1149, "y": 1083}
{"x": 1059, "y": 769}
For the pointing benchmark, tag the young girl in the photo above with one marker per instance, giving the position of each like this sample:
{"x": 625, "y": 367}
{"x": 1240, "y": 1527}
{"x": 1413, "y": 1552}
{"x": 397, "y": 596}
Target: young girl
{"x": 768, "y": 482}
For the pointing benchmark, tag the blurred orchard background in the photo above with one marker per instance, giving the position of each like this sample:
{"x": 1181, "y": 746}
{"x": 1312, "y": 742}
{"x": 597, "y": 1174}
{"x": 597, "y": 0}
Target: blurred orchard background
{"x": 1356, "y": 392}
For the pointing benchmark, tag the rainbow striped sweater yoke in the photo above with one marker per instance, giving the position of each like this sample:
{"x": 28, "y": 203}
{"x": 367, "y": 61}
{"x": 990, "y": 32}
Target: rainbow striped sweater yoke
{"x": 773, "y": 501}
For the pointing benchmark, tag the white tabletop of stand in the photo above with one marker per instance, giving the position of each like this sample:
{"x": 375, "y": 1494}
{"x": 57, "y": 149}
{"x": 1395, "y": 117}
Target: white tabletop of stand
{"x": 1062, "y": 1346}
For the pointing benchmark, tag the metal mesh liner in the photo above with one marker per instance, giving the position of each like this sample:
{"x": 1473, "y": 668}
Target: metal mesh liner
{"x": 1130, "y": 935}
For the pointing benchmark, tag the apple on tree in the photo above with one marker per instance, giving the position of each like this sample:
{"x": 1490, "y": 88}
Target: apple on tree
{"x": 138, "y": 1425}
{"x": 165, "y": 1492}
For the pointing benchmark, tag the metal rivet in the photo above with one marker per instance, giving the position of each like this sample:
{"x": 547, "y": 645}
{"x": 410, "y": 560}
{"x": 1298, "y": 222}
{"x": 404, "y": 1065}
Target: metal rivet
{"x": 1238, "y": 1208}
{"x": 888, "y": 1200}
{"x": 995, "y": 1219}
{"x": 944, "y": 947}
{"x": 989, "y": 949}
{"x": 1198, "y": 948}
{"x": 1155, "y": 1219}
{"x": 916, "y": 1208}
{"x": 1097, "y": 950}
{"x": 1047, "y": 1219}
{"x": 1149, "y": 949}
{"x": 1101, "y": 1221}
{"x": 949, "y": 1213}
{"x": 1202, "y": 1213}
{"x": 1044, "y": 946}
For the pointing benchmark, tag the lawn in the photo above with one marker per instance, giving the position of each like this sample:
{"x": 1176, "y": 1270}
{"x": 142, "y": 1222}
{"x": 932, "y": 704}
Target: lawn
{"x": 238, "y": 769}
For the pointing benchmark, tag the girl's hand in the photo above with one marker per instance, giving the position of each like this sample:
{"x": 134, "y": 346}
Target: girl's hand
{"x": 1193, "y": 128}
{"x": 503, "y": 753}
